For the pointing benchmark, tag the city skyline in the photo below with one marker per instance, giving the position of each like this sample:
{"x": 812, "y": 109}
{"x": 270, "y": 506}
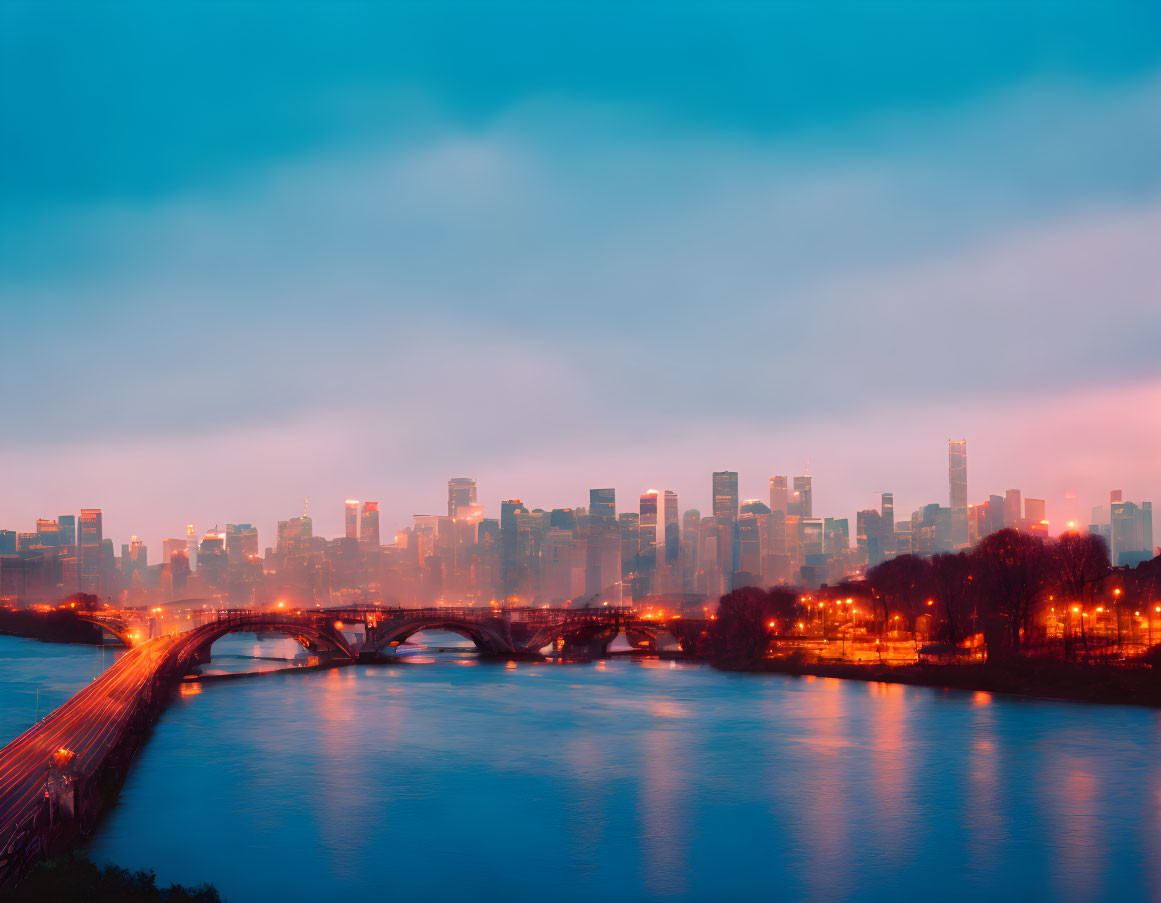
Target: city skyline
{"x": 661, "y": 550}
{"x": 394, "y": 514}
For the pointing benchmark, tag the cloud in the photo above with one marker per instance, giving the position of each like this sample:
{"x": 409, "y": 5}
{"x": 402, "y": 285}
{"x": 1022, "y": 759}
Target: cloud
{"x": 570, "y": 291}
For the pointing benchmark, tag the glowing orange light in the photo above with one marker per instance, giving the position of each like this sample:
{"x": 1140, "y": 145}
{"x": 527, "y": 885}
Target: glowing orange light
{"x": 338, "y": 625}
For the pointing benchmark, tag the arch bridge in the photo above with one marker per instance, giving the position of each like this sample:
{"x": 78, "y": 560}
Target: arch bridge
{"x": 362, "y": 634}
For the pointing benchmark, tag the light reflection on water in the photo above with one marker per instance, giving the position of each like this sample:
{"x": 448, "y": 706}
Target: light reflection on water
{"x": 621, "y": 781}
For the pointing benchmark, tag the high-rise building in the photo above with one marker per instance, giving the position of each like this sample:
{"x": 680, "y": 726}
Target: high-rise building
{"x": 90, "y": 567}
{"x": 352, "y": 518}
{"x": 958, "y": 491}
{"x": 672, "y": 528}
{"x": 1013, "y": 508}
{"x": 887, "y": 513}
{"x": 725, "y": 489}
{"x": 603, "y": 503}
{"x": 779, "y": 494}
{"x": 801, "y": 502}
{"x": 1035, "y": 512}
{"x": 647, "y": 529}
{"x": 68, "y": 529}
{"x": 461, "y": 492}
{"x": 1130, "y": 532}
{"x": 241, "y": 542}
{"x": 369, "y": 525}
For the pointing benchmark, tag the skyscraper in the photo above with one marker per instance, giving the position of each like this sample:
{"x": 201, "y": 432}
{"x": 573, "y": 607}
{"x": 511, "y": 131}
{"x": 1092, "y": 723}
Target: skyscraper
{"x": 603, "y": 503}
{"x": 672, "y": 528}
{"x": 461, "y": 492}
{"x": 779, "y": 494}
{"x": 369, "y": 525}
{"x": 725, "y": 489}
{"x": 958, "y": 491}
{"x": 1013, "y": 508}
{"x": 90, "y": 565}
{"x": 802, "y": 502}
{"x": 352, "y": 518}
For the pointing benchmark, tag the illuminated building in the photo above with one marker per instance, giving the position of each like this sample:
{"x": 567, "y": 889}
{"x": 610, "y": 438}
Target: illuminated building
{"x": 647, "y": 539}
{"x": 461, "y": 492}
{"x": 672, "y": 528}
{"x": 369, "y": 525}
{"x": 603, "y": 503}
{"x": 68, "y": 529}
{"x": 352, "y": 518}
{"x": 801, "y": 503}
{"x": 779, "y": 494}
{"x": 241, "y": 542}
{"x": 958, "y": 491}
{"x": 725, "y": 491}
{"x": 1013, "y": 508}
{"x": 90, "y": 556}
{"x": 134, "y": 560}
{"x": 868, "y": 536}
{"x": 191, "y": 544}
{"x": 1035, "y": 513}
{"x": 1130, "y": 532}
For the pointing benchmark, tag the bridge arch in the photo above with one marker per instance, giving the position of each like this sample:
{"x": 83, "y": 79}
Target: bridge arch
{"x": 121, "y": 631}
{"x": 486, "y": 638}
{"x": 197, "y": 642}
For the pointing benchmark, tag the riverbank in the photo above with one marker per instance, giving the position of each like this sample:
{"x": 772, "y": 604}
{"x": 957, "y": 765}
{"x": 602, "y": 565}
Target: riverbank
{"x": 1022, "y": 677}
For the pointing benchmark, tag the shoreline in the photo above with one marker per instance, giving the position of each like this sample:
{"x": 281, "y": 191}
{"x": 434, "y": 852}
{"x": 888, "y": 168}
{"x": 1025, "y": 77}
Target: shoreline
{"x": 1049, "y": 680}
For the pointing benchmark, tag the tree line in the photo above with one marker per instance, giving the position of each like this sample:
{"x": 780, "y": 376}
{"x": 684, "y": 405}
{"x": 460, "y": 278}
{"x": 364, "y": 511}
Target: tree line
{"x": 1007, "y": 589}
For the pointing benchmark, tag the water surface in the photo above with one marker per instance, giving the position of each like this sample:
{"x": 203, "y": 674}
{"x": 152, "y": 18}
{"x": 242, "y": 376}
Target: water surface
{"x": 443, "y": 777}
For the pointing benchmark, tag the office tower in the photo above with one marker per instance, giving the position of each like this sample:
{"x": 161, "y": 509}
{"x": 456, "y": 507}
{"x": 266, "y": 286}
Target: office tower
{"x": 801, "y": 503}
{"x": 7, "y": 542}
{"x": 352, "y": 518}
{"x": 241, "y": 542}
{"x": 515, "y": 540}
{"x": 48, "y": 533}
{"x": 887, "y": 514}
{"x": 134, "y": 559}
{"x": 1013, "y": 508}
{"x": 461, "y": 492}
{"x": 725, "y": 491}
{"x": 1130, "y": 532}
{"x": 672, "y": 528}
{"x": 602, "y": 503}
{"x": 868, "y": 536}
{"x": 779, "y": 494}
{"x": 369, "y": 525}
{"x": 958, "y": 491}
{"x": 191, "y": 545}
{"x": 690, "y": 548}
{"x": 629, "y": 524}
{"x": 90, "y": 539}
{"x": 1035, "y": 511}
{"x": 1115, "y": 496}
{"x": 647, "y": 530}
{"x": 169, "y": 547}
{"x": 68, "y": 529}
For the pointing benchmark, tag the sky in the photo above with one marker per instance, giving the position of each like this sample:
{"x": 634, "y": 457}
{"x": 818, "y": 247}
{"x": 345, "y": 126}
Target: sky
{"x": 252, "y": 253}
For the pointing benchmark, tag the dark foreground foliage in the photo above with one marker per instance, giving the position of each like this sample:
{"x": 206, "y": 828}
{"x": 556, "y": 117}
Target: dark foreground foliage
{"x": 74, "y": 878}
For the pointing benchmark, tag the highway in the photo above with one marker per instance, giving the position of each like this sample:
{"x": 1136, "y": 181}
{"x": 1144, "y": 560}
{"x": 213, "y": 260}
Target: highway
{"x": 90, "y": 725}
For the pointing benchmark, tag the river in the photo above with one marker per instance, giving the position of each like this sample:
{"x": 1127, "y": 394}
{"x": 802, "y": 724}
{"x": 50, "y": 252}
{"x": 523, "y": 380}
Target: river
{"x": 444, "y": 777}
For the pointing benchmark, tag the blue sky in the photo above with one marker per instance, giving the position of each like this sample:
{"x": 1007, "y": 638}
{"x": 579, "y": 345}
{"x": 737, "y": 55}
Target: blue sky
{"x": 255, "y": 252}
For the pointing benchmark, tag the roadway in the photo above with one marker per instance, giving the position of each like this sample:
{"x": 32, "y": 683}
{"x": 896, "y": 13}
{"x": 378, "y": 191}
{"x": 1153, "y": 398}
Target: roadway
{"x": 90, "y": 725}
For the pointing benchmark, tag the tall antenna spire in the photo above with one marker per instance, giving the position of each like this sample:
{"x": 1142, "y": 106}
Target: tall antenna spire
{"x": 305, "y": 507}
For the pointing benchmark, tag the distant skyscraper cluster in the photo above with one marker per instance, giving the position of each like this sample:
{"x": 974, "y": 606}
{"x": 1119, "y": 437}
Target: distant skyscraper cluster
{"x": 585, "y": 555}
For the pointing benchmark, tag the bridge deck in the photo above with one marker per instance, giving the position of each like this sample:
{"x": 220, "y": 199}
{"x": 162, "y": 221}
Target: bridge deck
{"x": 90, "y": 725}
